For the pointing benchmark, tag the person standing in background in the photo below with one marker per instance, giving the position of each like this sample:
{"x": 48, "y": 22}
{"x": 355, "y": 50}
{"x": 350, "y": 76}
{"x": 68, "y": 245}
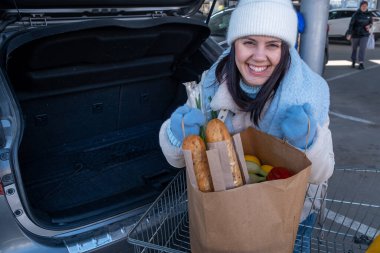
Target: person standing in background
{"x": 358, "y": 33}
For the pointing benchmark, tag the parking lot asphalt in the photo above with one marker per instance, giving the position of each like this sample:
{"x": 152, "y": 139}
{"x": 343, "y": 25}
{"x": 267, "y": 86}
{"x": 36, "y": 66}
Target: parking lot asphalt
{"x": 354, "y": 109}
{"x": 355, "y": 128}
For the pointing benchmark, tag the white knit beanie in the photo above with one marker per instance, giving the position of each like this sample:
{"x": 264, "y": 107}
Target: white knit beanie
{"x": 275, "y": 18}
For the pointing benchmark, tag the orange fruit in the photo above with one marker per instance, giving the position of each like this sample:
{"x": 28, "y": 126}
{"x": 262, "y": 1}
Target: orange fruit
{"x": 375, "y": 246}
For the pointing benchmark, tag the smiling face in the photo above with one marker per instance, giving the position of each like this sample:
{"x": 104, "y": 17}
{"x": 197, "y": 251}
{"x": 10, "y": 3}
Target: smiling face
{"x": 256, "y": 58}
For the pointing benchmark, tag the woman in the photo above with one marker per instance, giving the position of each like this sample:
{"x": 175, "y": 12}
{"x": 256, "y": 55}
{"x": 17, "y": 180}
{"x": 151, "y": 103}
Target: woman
{"x": 358, "y": 33}
{"x": 263, "y": 83}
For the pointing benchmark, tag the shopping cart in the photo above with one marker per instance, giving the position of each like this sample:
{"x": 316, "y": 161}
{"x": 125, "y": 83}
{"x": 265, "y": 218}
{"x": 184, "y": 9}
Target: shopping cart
{"x": 348, "y": 220}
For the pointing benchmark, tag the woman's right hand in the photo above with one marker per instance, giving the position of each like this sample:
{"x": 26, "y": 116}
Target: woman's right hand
{"x": 192, "y": 118}
{"x": 348, "y": 36}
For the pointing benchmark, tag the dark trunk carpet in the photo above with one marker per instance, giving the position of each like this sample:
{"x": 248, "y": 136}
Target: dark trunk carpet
{"x": 122, "y": 170}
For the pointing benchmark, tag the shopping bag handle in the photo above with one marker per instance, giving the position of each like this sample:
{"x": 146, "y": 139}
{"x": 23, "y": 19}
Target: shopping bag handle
{"x": 308, "y": 134}
{"x": 183, "y": 127}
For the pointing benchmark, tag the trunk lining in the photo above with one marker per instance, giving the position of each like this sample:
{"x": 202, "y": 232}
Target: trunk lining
{"x": 92, "y": 103}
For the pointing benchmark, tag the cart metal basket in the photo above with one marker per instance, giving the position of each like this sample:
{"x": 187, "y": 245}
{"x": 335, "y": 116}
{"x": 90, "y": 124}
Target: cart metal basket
{"x": 348, "y": 219}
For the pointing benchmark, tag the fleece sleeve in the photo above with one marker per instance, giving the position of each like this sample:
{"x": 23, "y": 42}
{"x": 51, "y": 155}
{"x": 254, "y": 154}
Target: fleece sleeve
{"x": 173, "y": 154}
{"x": 321, "y": 155}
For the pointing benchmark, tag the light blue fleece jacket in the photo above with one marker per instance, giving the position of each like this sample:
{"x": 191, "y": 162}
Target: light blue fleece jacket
{"x": 300, "y": 85}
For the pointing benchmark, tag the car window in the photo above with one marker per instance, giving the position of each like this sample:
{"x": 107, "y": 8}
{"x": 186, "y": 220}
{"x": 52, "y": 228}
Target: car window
{"x": 375, "y": 13}
{"x": 347, "y": 14}
{"x": 219, "y": 23}
{"x": 334, "y": 14}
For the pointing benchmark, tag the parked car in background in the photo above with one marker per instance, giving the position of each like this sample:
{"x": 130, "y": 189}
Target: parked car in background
{"x": 83, "y": 93}
{"x": 339, "y": 20}
{"x": 219, "y": 23}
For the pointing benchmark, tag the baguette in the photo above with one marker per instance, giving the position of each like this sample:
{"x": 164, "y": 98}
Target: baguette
{"x": 197, "y": 146}
{"x": 217, "y": 131}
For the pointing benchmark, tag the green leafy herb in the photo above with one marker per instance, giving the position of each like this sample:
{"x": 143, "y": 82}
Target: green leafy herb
{"x": 198, "y": 102}
{"x": 214, "y": 114}
{"x": 202, "y": 131}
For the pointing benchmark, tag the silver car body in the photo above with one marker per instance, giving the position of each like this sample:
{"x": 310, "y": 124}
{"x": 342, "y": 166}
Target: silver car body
{"x": 339, "y": 20}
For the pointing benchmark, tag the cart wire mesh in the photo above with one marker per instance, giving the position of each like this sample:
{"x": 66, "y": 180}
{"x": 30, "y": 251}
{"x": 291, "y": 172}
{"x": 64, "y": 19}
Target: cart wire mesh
{"x": 347, "y": 216}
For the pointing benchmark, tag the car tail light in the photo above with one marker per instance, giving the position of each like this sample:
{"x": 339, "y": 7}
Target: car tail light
{"x": 1, "y": 189}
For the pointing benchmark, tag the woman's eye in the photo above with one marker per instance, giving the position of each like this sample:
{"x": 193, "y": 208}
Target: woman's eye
{"x": 273, "y": 45}
{"x": 249, "y": 42}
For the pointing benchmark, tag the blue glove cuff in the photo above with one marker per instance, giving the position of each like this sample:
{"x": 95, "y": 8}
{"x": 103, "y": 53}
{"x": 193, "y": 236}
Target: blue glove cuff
{"x": 173, "y": 140}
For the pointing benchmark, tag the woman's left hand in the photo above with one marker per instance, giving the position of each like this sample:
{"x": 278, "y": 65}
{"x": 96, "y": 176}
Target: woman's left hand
{"x": 295, "y": 125}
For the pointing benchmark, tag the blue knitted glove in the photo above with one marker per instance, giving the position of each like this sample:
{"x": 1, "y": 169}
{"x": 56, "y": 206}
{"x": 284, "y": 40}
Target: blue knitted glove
{"x": 193, "y": 119}
{"x": 295, "y": 125}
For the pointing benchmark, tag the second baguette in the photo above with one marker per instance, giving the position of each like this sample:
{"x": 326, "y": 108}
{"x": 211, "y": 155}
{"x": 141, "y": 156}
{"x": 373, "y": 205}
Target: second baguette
{"x": 217, "y": 131}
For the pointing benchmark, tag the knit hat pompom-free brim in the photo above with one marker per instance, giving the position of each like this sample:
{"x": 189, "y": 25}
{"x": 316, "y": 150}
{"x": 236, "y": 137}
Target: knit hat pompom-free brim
{"x": 276, "y": 18}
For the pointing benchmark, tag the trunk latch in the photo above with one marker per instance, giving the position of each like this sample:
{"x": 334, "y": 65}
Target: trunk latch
{"x": 37, "y": 20}
{"x": 158, "y": 14}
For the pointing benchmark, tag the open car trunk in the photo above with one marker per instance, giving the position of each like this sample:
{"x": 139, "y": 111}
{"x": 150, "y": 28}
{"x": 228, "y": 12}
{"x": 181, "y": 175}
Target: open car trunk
{"x": 93, "y": 97}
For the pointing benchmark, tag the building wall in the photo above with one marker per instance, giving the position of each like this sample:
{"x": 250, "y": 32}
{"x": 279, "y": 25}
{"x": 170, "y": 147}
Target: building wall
{"x": 335, "y": 4}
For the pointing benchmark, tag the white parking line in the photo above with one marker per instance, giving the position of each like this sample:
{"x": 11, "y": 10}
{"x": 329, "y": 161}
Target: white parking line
{"x": 356, "y": 71}
{"x": 345, "y": 75}
{"x": 352, "y": 224}
{"x": 352, "y": 118}
{"x": 338, "y": 63}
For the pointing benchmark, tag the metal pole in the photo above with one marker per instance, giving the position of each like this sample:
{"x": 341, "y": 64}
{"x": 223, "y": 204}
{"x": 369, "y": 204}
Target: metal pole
{"x": 313, "y": 39}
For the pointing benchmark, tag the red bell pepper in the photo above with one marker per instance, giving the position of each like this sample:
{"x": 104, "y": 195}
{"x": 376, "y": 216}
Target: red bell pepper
{"x": 279, "y": 173}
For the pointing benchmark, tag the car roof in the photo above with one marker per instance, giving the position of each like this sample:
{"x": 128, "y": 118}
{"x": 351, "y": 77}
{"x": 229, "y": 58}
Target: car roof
{"x": 350, "y": 9}
{"x": 344, "y": 9}
{"x": 229, "y": 9}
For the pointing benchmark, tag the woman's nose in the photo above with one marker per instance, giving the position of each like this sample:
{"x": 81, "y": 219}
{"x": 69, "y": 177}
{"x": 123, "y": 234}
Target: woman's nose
{"x": 259, "y": 53}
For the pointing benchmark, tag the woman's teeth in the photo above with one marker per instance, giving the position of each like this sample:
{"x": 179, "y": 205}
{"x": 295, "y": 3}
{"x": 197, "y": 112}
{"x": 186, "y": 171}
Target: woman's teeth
{"x": 258, "y": 69}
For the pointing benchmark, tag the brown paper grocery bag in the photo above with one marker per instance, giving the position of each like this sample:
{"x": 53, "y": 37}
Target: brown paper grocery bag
{"x": 260, "y": 217}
